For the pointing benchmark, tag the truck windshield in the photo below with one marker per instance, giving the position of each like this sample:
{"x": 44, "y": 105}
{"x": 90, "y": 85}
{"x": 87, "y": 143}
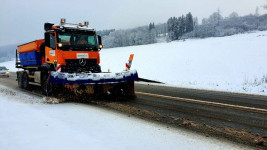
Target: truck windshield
{"x": 77, "y": 41}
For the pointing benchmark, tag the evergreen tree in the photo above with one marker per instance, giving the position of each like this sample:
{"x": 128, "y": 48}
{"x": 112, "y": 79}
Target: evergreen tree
{"x": 182, "y": 26}
{"x": 152, "y": 33}
{"x": 150, "y": 26}
{"x": 189, "y": 23}
{"x": 171, "y": 27}
{"x": 179, "y": 26}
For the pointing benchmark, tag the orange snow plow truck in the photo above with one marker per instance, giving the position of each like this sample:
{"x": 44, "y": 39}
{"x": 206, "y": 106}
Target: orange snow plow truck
{"x": 68, "y": 57}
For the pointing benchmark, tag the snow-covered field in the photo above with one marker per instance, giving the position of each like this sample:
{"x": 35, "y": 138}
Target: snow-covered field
{"x": 236, "y": 63}
{"x": 27, "y": 123}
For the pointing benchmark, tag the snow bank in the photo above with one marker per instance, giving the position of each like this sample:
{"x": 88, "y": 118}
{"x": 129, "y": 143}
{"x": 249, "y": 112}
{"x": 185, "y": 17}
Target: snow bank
{"x": 28, "y": 124}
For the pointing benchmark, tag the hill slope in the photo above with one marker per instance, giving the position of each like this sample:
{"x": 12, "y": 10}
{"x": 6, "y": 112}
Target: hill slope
{"x": 234, "y": 63}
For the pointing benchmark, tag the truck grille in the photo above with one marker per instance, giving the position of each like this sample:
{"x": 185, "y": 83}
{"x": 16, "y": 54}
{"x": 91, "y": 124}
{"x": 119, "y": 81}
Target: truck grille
{"x": 78, "y": 65}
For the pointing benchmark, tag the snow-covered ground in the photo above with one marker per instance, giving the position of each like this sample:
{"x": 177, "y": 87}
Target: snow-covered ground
{"x": 236, "y": 63}
{"x": 27, "y": 123}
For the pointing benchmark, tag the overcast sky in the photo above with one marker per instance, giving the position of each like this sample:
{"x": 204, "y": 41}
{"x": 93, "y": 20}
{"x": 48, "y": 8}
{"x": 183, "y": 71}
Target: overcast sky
{"x": 22, "y": 20}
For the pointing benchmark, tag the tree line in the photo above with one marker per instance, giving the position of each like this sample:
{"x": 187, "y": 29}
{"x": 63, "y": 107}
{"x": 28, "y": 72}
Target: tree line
{"x": 136, "y": 36}
{"x": 184, "y": 27}
{"x": 173, "y": 29}
{"x": 217, "y": 26}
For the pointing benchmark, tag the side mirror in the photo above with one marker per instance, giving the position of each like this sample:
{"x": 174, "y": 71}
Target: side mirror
{"x": 47, "y": 39}
{"x": 48, "y": 26}
{"x": 100, "y": 46}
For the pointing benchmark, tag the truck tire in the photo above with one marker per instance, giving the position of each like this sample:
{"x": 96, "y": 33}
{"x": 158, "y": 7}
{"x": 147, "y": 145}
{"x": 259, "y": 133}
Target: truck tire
{"x": 46, "y": 86}
{"x": 19, "y": 76}
{"x": 24, "y": 80}
{"x": 97, "y": 68}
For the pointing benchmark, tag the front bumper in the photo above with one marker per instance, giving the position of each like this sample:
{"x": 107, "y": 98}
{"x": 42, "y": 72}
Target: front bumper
{"x": 92, "y": 78}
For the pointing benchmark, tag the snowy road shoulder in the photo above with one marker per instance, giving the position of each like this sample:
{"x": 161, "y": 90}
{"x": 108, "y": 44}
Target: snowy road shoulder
{"x": 27, "y": 123}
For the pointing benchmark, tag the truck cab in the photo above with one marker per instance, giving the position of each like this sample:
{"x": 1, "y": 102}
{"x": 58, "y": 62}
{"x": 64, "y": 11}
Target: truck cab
{"x": 71, "y": 48}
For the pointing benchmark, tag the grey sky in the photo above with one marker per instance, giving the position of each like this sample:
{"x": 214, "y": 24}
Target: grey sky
{"x": 22, "y": 20}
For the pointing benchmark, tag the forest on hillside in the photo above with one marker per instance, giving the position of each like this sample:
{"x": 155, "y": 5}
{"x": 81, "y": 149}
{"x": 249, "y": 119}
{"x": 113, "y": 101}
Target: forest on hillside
{"x": 184, "y": 27}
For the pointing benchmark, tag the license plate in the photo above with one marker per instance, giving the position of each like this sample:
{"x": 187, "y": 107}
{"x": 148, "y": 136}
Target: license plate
{"x": 82, "y": 55}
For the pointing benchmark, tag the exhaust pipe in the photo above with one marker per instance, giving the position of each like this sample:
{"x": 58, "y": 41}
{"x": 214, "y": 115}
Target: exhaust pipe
{"x": 62, "y": 21}
{"x": 86, "y": 23}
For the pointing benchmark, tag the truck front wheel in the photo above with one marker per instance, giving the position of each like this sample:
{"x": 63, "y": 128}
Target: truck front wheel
{"x": 46, "y": 86}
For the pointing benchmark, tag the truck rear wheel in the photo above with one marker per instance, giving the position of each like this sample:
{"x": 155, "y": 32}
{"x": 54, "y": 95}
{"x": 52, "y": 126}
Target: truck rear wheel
{"x": 24, "y": 80}
{"x": 19, "y": 76}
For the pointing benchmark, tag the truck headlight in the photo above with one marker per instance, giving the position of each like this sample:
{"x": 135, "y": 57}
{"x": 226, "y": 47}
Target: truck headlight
{"x": 59, "y": 44}
{"x": 7, "y": 72}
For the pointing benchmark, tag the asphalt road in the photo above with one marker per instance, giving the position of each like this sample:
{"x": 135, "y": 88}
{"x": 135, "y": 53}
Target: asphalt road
{"x": 210, "y": 115}
{"x": 206, "y": 95}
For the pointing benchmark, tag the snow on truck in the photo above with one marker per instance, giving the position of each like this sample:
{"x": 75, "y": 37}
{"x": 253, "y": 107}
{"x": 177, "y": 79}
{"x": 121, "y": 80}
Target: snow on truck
{"x": 68, "y": 57}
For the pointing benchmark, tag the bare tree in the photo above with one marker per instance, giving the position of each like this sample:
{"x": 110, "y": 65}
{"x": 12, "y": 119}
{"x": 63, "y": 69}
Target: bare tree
{"x": 215, "y": 18}
{"x": 233, "y": 15}
{"x": 257, "y": 11}
{"x": 219, "y": 15}
{"x": 265, "y": 6}
{"x": 195, "y": 21}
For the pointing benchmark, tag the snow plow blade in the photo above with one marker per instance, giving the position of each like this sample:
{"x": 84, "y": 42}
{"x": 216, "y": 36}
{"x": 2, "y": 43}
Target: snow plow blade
{"x": 121, "y": 83}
